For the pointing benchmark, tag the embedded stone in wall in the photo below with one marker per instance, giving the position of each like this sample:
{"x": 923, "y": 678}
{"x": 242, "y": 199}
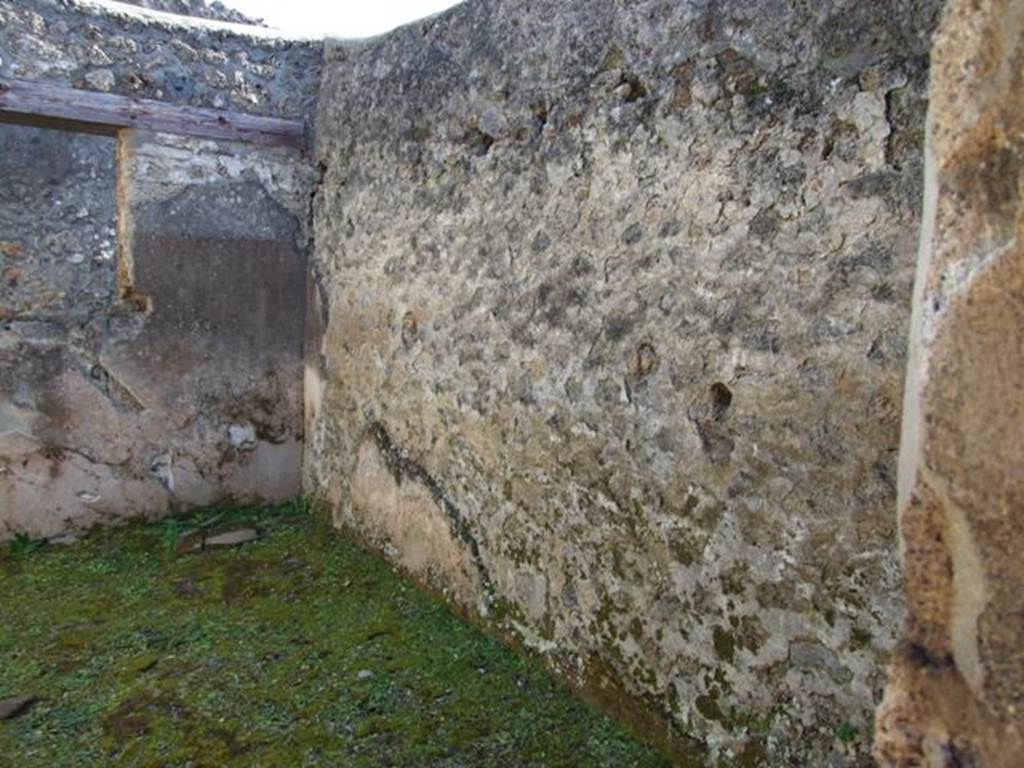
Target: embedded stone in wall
{"x": 955, "y": 695}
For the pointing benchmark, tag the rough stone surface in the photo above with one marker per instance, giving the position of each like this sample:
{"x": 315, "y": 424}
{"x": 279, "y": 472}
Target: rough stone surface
{"x": 184, "y": 388}
{"x": 58, "y": 240}
{"x": 231, "y": 538}
{"x": 955, "y": 695}
{"x": 606, "y": 338}
{"x": 199, "y": 64}
{"x": 149, "y": 361}
{"x": 610, "y": 306}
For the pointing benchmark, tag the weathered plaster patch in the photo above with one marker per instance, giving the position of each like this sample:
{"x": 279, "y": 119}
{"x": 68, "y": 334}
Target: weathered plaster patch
{"x": 403, "y": 515}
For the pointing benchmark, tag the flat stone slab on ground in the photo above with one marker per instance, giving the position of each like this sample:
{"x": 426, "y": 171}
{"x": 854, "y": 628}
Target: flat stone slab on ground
{"x": 231, "y": 538}
{"x": 196, "y": 541}
{"x": 15, "y": 706}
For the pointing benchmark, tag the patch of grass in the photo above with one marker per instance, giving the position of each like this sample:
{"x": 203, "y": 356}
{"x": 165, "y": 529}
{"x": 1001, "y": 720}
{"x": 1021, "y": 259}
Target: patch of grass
{"x": 253, "y": 656}
{"x": 847, "y": 733}
{"x": 169, "y": 530}
{"x": 23, "y": 544}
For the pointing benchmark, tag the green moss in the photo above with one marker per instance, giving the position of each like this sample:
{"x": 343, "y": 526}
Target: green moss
{"x": 600, "y": 684}
{"x": 753, "y": 754}
{"x": 751, "y": 633}
{"x": 613, "y": 59}
{"x": 847, "y": 733}
{"x": 674, "y": 702}
{"x": 859, "y": 638}
{"x": 636, "y": 629}
{"x": 725, "y": 646}
{"x": 707, "y": 705}
{"x": 505, "y": 612}
{"x": 253, "y": 655}
{"x": 23, "y": 544}
{"x": 685, "y": 548}
{"x": 605, "y": 612}
{"x": 735, "y": 580}
{"x": 752, "y": 724}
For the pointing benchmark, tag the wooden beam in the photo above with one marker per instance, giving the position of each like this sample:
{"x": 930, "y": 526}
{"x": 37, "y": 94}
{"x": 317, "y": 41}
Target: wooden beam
{"x": 37, "y": 121}
{"x": 36, "y": 102}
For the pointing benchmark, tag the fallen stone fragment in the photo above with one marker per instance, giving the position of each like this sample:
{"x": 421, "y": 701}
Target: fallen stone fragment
{"x": 189, "y": 542}
{"x": 16, "y": 706}
{"x": 63, "y": 539}
{"x": 231, "y": 538}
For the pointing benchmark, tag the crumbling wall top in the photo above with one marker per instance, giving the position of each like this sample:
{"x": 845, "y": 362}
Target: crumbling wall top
{"x": 113, "y": 47}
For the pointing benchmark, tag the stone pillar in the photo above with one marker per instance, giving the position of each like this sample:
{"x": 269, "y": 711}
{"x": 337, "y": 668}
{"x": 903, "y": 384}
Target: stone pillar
{"x": 955, "y": 695}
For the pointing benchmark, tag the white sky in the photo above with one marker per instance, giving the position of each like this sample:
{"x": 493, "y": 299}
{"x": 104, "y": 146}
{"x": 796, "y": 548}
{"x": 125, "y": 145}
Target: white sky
{"x": 338, "y": 18}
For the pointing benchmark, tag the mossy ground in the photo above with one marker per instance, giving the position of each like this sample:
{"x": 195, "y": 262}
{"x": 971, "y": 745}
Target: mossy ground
{"x": 252, "y": 657}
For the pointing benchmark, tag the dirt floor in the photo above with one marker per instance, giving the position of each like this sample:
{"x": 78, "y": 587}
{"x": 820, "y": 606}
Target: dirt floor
{"x": 297, "y": 649}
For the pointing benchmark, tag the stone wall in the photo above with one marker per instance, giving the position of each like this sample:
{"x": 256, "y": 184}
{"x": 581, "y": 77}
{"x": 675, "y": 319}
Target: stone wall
{"x": 153, "y": 55}
{"x": 606, "y": 338}
{"x": 57, "y": 225}
{"x": 956, "y": 688}
{"x": 150, "y": 359}
{"x": 607, "y": 343}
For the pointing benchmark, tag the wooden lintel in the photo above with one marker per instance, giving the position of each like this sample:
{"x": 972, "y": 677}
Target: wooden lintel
{"x": 35, "y": 102}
